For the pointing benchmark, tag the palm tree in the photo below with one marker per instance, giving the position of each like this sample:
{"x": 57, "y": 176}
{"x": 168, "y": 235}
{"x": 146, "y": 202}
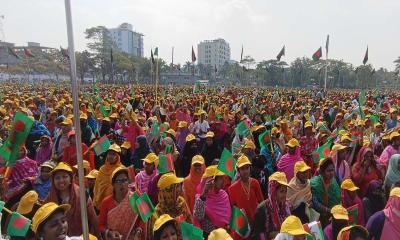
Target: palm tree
{"x": 397, "y": 63}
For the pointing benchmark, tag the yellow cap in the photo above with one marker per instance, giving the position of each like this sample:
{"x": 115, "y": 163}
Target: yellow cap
{"x": 44, "y": 212}
{"x": 115, "y": 148}
{"x": 182, "y": 124}
{"x": 151, "y": 158}
{"x": 219, "y": 234}
{"x": 27, "y": 202}
{"x": 293, "y": 226}
{"x": 118, "y": 170}
{"x": 280, "y": 177}
{"x": 341, "y": 235}
{"x": 242, "y": 161}
{"x": 337, "y": 147}
{"x": 301, "y": 166}
{"x": 349, "y": 185}
{"x": 212, "y": 171}
{"x": 345, "y": 138}
{"x": 197, "y": 159}
{"x": 171, "y": 131}
{"x": 274, "y": 131}
{"x": 343, "y": 132}
{"x": 393, "y": 135}
{"x": 256, "y": 128}
{"x": 190, "y": 137}
{"x": 114, "y": 115}
{"x": 126, "y": 145}
{"x": 210, "y": 134}
{"x": 322, "y": 161}
{"x": 339, "y": 212}
{"x": 395, "y": 192}
{"x": 308, "y": 124}
{"x": 167, "y": 180}
{"x": 377, "y": 125}
{"x": 106, "y": 119}
{"x": 92, "y": 174}
{"x": 393, "y": 110}
{"x": 67, "y": 122}
{"x": 161, "y": 221}
{"x": 249, "y": 144}
{"x": 386, "y": 137}
{"x": 86, "y": 165}
{"x": 83, "y": 116}
{"x": 62, "y": 167}
{"x": 293, "y": 143}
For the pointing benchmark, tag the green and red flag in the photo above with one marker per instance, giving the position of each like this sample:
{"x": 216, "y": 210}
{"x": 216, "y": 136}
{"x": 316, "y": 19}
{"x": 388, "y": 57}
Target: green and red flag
{"x": 315, "y": 230}
{"x": 317, "y": 55}
{"x": 239, "y": 222}
{"x": 227, "y": 163}
{"x": 105, "y": 111}
{"x": 168, "y": 148}
{"x": 132, "y": 202}
{"x": 131, "y": 171}
{"x": 322, "y": 152}
{"x": 190, "y": 232}
{"x": 362, "y": 99}
{"x": 102, "y": 145}
{"x": 165, "y": 163}
{"x": 196, "y": 87}
{"x": 145, "y": 207}
{"x": 28, "y": 53}
{"x": 243, "y": 128}
{"x": 154, "y": 131}
{"x": 21, "y": 127}
{"x": 163, "y": 129}
{"x": 374, "y": 119}
{"x": 18, "y": 225}
{"x": 353, "y": 214}
{"x": 281, "y": 53}
{"x": 265, "y": 138}
{"x": 12, "y": 52}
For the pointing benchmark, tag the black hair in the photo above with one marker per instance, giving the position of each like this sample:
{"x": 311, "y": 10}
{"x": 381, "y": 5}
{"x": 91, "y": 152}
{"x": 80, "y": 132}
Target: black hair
{"x": 337, "y": 225}
{"x": 325, "y": 165}
{"x": 357, "y": 232}
{"x": 157, "y": 234}
{"x": 118, "y": 173}
{"x": 41, "y": 225}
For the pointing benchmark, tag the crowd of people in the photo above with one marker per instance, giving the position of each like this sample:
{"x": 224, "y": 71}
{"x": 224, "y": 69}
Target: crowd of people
{"x": 332, "y": 158}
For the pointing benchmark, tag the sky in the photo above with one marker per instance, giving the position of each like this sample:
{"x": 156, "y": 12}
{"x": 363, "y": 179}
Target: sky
{"x": 261, "y": 26}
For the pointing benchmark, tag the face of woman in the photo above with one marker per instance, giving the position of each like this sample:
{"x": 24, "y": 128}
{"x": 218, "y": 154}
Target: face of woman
{"x": 197, "y": 167}
{"x": 56, "y": 227}
{"x": 149, "y": 168}
{"x": 219, "y": 182}
{"x": 209, "y": 141}
{"x": 281, "y": 193}
{"x": 169, "y": 233}
{"x": 112, "y": 157}
{"x": 244, "y": 172}
{"x": 328, "y": 173}
{"x": 292, "y": 150}
{"x": 303, "y": 176}
{"x": 299, "y": 237}
{"x": 120, "y": 184}
{"x": 352, "y": 194}
{"x": 62, "y": 180}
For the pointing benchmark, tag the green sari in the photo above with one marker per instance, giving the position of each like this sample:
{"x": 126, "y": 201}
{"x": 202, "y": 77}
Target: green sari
{"x": 328, "y": 199}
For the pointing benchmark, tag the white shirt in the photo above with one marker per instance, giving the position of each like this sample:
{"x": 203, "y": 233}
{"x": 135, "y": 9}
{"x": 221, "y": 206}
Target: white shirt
{"x": 200, "y": 129}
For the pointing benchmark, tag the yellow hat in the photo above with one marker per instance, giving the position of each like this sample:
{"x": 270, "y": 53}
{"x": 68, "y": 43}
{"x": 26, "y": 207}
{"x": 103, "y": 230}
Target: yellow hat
{"x": 343, "y": 132}
{"x": 62, "y": 167}
{"x": 212, "y": 171}
{"x": 293, "y": 143}
{"x": 167, "y": 180}
{"x": 171, "y": 131}
{"x": 322, "y": 161}
{"x": 86, "y": 165}
{"x": 44, "y": 212}
{"x": 395, "y": 192}
{"x": 340, "y": 213}
{"x": 197, "y": 159}
{"x": 393, "y": 135}
{"x": 151, "y": 158}
{"x": 163, "y": 219}
{"x": 126, "y": 145}
{"x": 361, "y": 123}
{"x": 210, "y": 134}
{"x": 219, "y": 234}
{"x": 190, "y": 137}
{"x": 345, "y": 138}
{"x": 293, "y": 226}
{"x": 182, "y": 124}
{"x": 83, "y": 116}
{"x": 377, "y": 125}
{"x": 386, "y": 137}
{"x": 249, "y": 144}
{"x": 118, "y": 170}
{"x": 92, "y": 174}
{"x": 301, "y": 166}
{"x": 242, "y": 161}
{"x": 393, "y": 110}
{"x": 280, "y": 177}
{"x": 115, "y": 148}
{"x": 348, "y": 184}
{"x": 48, "y": 164}
{"x": 274, "y": 131}
{"x": 27, "y": 202}
{"x": 337, "y": 147}
{"x": 106, "y": 119}
{"x": 348, "y": 228}
{"x": 114, "y": 115}
{"x": 308, "y": 124}
{"x": 67, "y": 122}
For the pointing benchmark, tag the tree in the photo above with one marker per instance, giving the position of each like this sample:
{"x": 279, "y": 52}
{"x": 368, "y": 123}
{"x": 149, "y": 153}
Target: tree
{"x": 248, "y": 61}
{"x": 397, "y": 63}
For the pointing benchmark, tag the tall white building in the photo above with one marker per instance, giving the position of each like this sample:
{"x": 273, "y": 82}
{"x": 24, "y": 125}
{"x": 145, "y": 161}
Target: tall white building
{"x": 127, "y": 40}
{"x": 213, "y": 52}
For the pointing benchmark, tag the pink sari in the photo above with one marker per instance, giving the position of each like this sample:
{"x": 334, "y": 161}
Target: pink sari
{"x": 391, "y": 228}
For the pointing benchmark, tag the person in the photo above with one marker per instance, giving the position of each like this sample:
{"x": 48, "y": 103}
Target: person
{"x": 91, "y": 181}
{"x": 193, "y": 179}
{"x": 393, "y": 148}
{"x": 385, "y": 224}
{"x": 210, "y": 150}
{"x": 86, "y": 131}
{"x": 219, "y": 234}
{"x": 342, "y": 168}
{"x": 392, "y": 121}
{"x": 142, "y": 149}
{"x": 374, "y": 199}
{"x": 181, "y": 134}
{"x": 126, "y": 154}
{"x": 42, "y": 183}
{"x": 188, "y": 153}
{"x": 340, "y": 219}
{"x": 287, "y": 162}
{"x": 325, "y": 190}
{"x": 201, "y": 127}
{"x": 132, "y": 130}
{"x": 393, "y": 172}
{"x": 64, "y": 191}
{"x": 351, "y": 199}
{"x": 61, "y": 141}
{"x": 165, "y": 228}
{"x": 210, "y": 208}
{"x": 246, "y": 192}
{"x": 308, "y": 143}
{"x": 103, "y": 187}
{"x": 299, "y": 192}
{"x": 69, "y": 153}
{"x": 271, "y": 213}
{"x": 45, "y": 150}
{"x": 116, "y": 218}
{"x": 354, "y": 232}
{"x": 144, "y": 177}
{"x": 292, "y": 229}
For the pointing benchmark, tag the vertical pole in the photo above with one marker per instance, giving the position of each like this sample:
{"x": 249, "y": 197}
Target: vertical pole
{"x": 326, "y": 70}
{"x": 74, "y": 89}
{"x": 156, "y": 77}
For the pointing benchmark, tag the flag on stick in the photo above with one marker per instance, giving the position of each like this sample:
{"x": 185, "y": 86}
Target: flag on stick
{"x": 281, "y": 53}
{"x": 227, "y": 163}
{"x": 102, "y": 145}
{"x": 190, "y": 232}
{"x": 166, "y": 163}
{"x": 327, "y": 44}
{"x": 145, "y": 207}
{"x": 18, "y": 225}
{"x": 365, "y": 60}
{"x": 13, "y": 53}
{"x": 239, "y": 222}
{"x": 321, "y": 152}
{"x": 193, "y": 55}
{"x": 156, "y": 51}
{"x": 317, "y": 55}
{"x": 241, "y": 55}
{"x": 28, "y": 52}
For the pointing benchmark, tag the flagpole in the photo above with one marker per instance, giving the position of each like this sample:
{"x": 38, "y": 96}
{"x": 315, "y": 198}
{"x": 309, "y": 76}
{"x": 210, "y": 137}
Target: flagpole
{"x": 156, "y": 77}
{"x": 326, "y": 70}
{"x": 74, "y": 88}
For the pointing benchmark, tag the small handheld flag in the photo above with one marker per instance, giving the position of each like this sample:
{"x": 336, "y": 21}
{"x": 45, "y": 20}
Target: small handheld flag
{"x": 190, "y": 232}
{"x": 145, "y": 207}
{"x": 227, "y": 163}
{"x": 18, "y": 225}
{"x": 193, "y": 55}
{"x": 239, "y": 222}
{"x": 102, "y": 145}
{"x": 166, "y": 163}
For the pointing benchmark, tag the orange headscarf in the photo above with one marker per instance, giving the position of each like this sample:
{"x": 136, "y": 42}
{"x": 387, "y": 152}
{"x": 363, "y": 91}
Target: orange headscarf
{"x": 190, "y": 184}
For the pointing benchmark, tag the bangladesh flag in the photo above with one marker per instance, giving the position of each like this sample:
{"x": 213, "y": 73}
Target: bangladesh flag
{"x": 20, "y": 131}
{"x": 155, "y": 131}
{"x": 265, "y": 138}
{"x": 131, "y": 171}
{"x": 18, "y": 225}
{"x": 280, "y": 54}
{"x": 165, "y": 163}
{"x": 365, "y": 60}
{"x": 145, "y": 207}
{"x": 132, "y": 201}
{"x": 168, "y": 148}
{"x": 239, "y": 222}
{"x": 243, "y": 128}
{"x": 102, "y": 145}
{"x": 190, "y": 232}
{"x": 317, "y": 55}
{"x": 13, "y": 53}
{"x": 362, "y": 99}
{"x": 105, "y": 110}
{"x": 374, "y": 119}
{"x": 196, "y": 87}
{"x": 353, "y": 214}
{"x": 227, "y": 163}
{"x": 28, "y": 53}
{"x": 321, "y": 152}
{"x": 163, "y": 128}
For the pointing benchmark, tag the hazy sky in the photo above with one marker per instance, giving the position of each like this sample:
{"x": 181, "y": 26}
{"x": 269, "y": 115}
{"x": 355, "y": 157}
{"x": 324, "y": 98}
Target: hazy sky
{"x": 262, "y": 26}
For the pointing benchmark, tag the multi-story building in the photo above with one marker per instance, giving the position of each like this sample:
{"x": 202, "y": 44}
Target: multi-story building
{"x": 127, "y": 40}
{"x": 213, "y": 52}
{"x": 7, "y": 59}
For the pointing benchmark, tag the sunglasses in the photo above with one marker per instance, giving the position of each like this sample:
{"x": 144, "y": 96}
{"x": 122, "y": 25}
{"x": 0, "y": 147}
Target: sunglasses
{"x": 121, "y": 181}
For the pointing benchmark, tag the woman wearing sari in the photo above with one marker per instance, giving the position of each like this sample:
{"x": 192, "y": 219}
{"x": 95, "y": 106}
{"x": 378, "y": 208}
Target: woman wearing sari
{"x": 325, "y": 190}
{"x": 64, "y": 191}
{"x": 211, "y": 208}
{"x": 181, "y": 135}
{"x": 45, "y": 150}
{"x": 350, "y": 199}
{"x": 393, "y": 172}
{"x": 192, "y": 181}
{"x": 142, "y": 150}
{"x": 144, "y": 177}
{"x": 374, "y": 200}
{"x": 116, "y": 219}
{"x": 342, "y": 169}
{"x": 392, "y": 148}
{"x": 103, "y": 187}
